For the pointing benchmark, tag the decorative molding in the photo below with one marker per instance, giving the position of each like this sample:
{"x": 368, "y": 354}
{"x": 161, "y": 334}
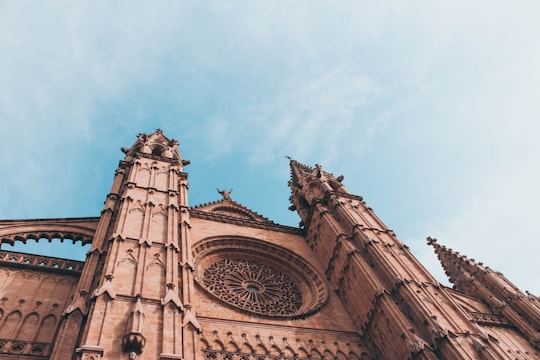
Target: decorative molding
{"x": 171, "y": 297}
{"x": 38, "y": 262}
{"x": 23, "y": 347}
{"x": 90, "y": 352}
{"x": 164, "y": 356}
{"x": 243, "y": 222}
{"x": 107, "y": 287}
{"x": 79, "y": 303}
{"x": 490, "y": 319}
{"x": 190, "y": 318}
{"x": 75, "y": 229}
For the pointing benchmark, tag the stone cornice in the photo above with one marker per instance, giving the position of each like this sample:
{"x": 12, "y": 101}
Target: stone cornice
{"x": 155, "y": 157}
{"x": 244, "y": 222}
{"x": 239, "y": 324}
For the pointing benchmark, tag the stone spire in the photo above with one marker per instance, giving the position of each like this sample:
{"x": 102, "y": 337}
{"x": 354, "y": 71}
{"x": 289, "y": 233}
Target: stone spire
{"x": 373, "y": 272}
{"x": 504, "y": 298}
{"x": 309, "y": 185}
{"x": 298, "y": 171}
{"x": 455, "y": 265}
{"x": 302, "y": 174}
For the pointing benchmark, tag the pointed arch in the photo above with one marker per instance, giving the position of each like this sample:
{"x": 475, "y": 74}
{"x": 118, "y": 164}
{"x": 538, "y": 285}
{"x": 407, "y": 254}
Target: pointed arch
{"x": 67, "y": 281}
{"x": 16, "y": 276}
{"x": 37, "y": 276}
{"x": 218, "y": 345}
{"x": 162, "y": 178}
{"x": 156, "y": 262}
{"x": 155, "y": 271}
{"x": 365, "y": 356}
{"x": 275, "y": 350}
{"x": 29, "y": 327}
{"x": 46, "y": 329}
{"x": 143, "y": 174}
{"x": 157, "y": 150}
{"x": 232, "y": 346}
{"x": 261, "y": 349}
{"x": 315, "y": 354}
{"x": 10, "y": 325}
{"x": 124, "y": 273}
{"x": 246, "y": 347}
{"x": 158, "y": 223}
{"x": 302, "y": 352}
{"x": 47, "y": 286}
{"x": 204, "y": 343}
{"x": 328, "y": 354}
{"x": 289, "y": 351}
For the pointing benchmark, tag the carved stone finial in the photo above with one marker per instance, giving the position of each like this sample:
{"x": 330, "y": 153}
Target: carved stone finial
{"x": 226, "y": 194}
{"x": 431, "y": 240}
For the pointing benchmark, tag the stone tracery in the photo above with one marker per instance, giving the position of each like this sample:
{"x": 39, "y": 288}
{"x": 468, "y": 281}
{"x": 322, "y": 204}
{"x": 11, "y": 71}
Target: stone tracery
{"x": 253, "y": 286}
{"x": 258, "y": 277}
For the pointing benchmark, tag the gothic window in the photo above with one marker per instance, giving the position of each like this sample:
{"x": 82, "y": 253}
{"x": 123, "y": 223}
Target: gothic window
{"x": 259, "y": 278}
{"x": 253, "y": 286}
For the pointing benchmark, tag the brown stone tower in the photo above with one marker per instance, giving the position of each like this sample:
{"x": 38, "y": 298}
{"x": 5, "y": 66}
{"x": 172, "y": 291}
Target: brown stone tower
{"x": 399, "y": 309}
{"x": 217, "y": 281}
{"x": 136, "y": 277}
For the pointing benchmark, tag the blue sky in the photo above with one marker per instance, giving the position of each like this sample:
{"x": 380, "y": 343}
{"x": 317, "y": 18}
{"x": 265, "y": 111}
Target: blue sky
{"x": 430, "y": 110}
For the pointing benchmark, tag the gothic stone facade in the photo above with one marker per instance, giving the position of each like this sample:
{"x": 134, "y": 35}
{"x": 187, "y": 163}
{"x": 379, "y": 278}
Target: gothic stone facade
{"x": 163, "y": 280}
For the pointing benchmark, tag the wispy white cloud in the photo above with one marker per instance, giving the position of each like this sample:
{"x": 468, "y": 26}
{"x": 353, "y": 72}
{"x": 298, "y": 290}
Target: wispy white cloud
{"x": 310, "y": 120}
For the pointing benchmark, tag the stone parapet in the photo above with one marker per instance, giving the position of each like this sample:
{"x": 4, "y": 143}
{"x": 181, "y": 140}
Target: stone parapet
{"x": 21, "y": 260}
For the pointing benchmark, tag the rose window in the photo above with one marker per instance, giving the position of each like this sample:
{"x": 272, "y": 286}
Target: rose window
{"x": 253, "y": 286}
{"x": 258, "y": 277}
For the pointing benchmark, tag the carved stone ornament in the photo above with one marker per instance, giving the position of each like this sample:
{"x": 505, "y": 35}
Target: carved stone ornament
{"x": 253, "y": 286}
{"x": 258, "y": 277}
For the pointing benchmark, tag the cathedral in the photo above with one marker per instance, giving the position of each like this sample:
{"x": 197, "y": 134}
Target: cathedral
{"x": 165, "y": 279}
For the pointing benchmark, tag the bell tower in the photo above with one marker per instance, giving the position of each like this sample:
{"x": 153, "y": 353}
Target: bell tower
{"x": 132, "y": 291}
